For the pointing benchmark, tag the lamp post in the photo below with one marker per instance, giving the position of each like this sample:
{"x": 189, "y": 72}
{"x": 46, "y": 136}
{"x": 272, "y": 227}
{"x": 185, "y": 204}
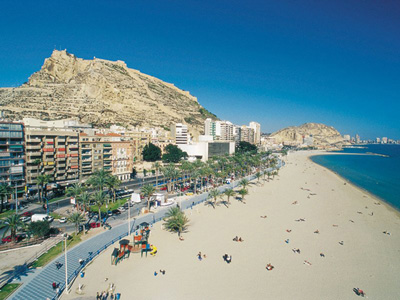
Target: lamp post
{"x": 66, "y": 265}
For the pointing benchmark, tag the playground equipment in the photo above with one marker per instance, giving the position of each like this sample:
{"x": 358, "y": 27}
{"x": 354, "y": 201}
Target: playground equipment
{"x": 124, "y": 251}
{"x": 153, "y": 251}
{"x": 148, "y": 248}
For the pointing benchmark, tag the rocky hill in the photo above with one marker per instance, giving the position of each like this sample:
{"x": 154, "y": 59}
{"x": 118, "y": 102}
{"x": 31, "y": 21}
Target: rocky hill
{"x": 101, "y": 92}
{"x": 322, "y": 134}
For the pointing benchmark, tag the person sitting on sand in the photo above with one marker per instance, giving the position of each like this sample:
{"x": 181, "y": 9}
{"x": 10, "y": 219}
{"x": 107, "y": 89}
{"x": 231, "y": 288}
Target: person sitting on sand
{"x": 287, "y": 241}
{"x": 269, "y": 267}
{"x": 322, "y": 255}
{"x": 199, "y": 256}
{"x": 341, "y": 243}
{"x": 289, "y": 230}
{"x": 263, "y": 217}
{"x": 181, "y": 238}
{"x": 229, "y": 259}
{"x": 235, "y": 239}
{"x": 316, "y": 231}
{"x": 294, "y": 203}
{"x": 240, "y": 240}
{"x": 306, "y": 262}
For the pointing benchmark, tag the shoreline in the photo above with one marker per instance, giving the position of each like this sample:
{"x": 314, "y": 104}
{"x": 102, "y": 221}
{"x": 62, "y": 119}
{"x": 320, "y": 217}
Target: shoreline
{"x": 360, "y": 188}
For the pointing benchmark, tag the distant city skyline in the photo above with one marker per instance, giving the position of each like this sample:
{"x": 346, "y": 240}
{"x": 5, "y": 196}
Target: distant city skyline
{"x": 277, "y": 63}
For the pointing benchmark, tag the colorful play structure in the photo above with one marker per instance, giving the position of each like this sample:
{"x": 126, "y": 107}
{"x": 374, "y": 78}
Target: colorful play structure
{"x": 140, "y": 244}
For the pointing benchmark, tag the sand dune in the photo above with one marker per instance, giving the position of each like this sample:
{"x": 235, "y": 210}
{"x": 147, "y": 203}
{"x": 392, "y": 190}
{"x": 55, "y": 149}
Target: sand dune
{"x": 368, "y": 258}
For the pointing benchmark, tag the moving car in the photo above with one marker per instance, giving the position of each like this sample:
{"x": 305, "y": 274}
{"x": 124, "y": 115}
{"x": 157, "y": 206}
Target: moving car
{"x": 25, "y": 219}
{"x": 62, "y": 220}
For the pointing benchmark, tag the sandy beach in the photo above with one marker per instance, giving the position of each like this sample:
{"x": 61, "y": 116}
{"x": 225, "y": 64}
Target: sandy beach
{"x": 350, "y": 223}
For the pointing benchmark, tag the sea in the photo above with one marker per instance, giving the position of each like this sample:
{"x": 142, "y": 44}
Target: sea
{"x": 377, "y": 174}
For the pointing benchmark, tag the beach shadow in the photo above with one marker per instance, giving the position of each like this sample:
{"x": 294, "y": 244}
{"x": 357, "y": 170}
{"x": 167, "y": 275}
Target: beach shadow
{"x": 224, "y": 202}
{"x": 209, "y": 203}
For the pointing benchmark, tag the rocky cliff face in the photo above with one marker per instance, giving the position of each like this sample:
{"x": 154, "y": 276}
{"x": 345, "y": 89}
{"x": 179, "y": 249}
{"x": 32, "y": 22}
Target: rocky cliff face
{"x": 101, "y": 92}
{"x": 322, "y": 134}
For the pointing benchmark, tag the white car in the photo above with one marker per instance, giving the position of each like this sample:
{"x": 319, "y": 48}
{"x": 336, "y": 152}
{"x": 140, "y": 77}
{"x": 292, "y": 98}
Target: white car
{"x": 25, "y": 219}
{"x": 121, "y": 209}
{"x": 49, "y": 219}
{"x": 62, "y": 220}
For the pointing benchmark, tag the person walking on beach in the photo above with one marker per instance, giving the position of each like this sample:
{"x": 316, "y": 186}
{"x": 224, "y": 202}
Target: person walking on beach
{"x": 199, "y": 256}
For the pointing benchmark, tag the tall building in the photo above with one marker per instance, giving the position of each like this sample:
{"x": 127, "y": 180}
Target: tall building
{"x": 12, "y": 162}
{"x": 247, "y": 134}
{"x": 346, "y": 137}
{"x": 210, "y": 127}
{"x": 378, "y": 140}
{"x": 358, "y": 139}
{"x": 257, "y": 132}
{"x": 219, "y": 130}
{"x": 54, "y": 153}
{"x": 179, "y": 132}
{"x": 384, "y": 140}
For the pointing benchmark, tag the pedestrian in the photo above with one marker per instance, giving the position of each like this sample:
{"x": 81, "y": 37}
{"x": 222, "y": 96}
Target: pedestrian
{"x": 54, "y": 285}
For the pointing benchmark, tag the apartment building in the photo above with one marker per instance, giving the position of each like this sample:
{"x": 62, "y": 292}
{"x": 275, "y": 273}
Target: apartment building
{"x": 12, "y": 159}
{"x": 54, "y": 153}
{"x": 180, "y": 133}
{"x": 257, "y": 132}
{"x": 247, "y": 134}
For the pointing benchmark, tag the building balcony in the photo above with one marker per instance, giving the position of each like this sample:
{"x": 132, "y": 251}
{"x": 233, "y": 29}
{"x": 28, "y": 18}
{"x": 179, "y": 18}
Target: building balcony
{"x": 33, "y": 140}
{"x": 31, "y": 147}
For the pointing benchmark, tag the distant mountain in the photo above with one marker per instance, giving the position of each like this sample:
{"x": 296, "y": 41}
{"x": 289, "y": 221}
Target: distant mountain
{"x": 322, "y": 134}
{"x": 101, "y": 92}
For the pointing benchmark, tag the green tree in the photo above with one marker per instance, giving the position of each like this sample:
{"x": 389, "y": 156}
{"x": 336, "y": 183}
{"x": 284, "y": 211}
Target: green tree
{"x": 244, "y": 147}
{"x": 5, "y": 191}
{"x": 113, "y": 183}
{"x": 13, "y": 224}
{"x": 98, "y": 179}
{"x": 244, "y": 183}
{"x": 99, "y": 198}
{"x": 258, "y": 176}
{"x": 173, "y": 154}
{"x": 39, "y": 229}
{"x": 170, "y": 173}
{"x": 148, "y": 191}
{"x": 214, "y": 194}
{"x": 157, "y": 167}
{"x": 177, "y": 222}
{"x": 42, "y": 181}
{"x": 74, "y": 190}
{"x": 229, "y": 193}
{"x": 172, "y": 212}
{"x": 151, "y": 152}
{"x": 243, "y": 192}
{"x": 84, "y": 200}
{"x": 77, "y": 219}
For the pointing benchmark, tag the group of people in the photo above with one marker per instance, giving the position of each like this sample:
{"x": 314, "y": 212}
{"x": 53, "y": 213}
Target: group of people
{"x": 104, "y": 296}
{"x": 201, "y": 256}
{"x": 161, "y": 271}
{"x": 238, "y": 239}
{"x": 227, "y": 258}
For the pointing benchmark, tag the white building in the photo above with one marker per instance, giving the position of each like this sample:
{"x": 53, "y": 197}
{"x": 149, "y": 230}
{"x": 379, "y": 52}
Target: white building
{"x": 346, "y": 137}
{"x": 247, "y": 134}
{"x": 257, "y": 132}
{"x": 179, "y": 132}
{"x": 219, "y": 130}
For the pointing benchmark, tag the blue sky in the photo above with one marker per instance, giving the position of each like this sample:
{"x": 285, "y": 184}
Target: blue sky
{"x": 280, "y": 63}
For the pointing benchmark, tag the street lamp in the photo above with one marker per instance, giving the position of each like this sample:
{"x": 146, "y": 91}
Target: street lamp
{"x": 66, "y": 266}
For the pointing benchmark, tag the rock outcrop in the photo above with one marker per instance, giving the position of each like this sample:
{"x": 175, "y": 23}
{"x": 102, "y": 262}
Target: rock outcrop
{"x": 101, "y": 92}
{"x": 322, "y": 135}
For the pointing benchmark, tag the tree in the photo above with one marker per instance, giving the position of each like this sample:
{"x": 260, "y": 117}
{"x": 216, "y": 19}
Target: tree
{"x": 5, "y": 190}
{"x": 229, "y": 193}
{"x": 12, "y": 223}
{"x": 98, "y": 179}
{"x": 99, "y": 198}
{"x": 151, "y": 152}
{"x": 148, "y": 191}
{"x": 243, "y": 192}
{"x": 83, "y": 200}
{"x": 77, "y": 219}
{"x": 173, "y": 154}
{"x": 113, "y": 183}
{"x": 244, "y": 147}
{"x": 170, "y": 173}
{"x": 176, "y": 221}
{"x": 172, "y": 212}
{"x": 258, "y": 176}
{"x": 244, "y": 183}
{"x": 157, "y": 167}
{"x": 214, "y": 194}
{"x": 74, "y": 190}
{"x": 42, "y": 181}
{"x": 39, "y": 229}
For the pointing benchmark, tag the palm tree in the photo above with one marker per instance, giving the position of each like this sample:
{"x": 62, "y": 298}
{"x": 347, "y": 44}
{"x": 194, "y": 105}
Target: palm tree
{"x": 243, "y": 192}
{"x": 84, "y": 200}
{"x": 170, "y": 173}
{"x": 214, "y": 194}
{"x": 172, "y": 212}
{"x": 42, "y": 181}
{"x": 75, "y": 190}
{"x": 195, "y": 176}
{"x": 229, "y": 193}
{"x": 177, "y": 222}
{"x": 77, "y": 219}
{"x": 148, "y": 191}
{"x": 99, "y": 198}
{"x": 113, "y": 183}
{"x": 244, "y": 183}
{"x": 157, "y": 167}
{"x": 5, "y": 190}
{"x": 12, "y": 223}
{"x": 269, "y": 175}
{"x": 98, "y": 179}
{"x": 258, "y": 175}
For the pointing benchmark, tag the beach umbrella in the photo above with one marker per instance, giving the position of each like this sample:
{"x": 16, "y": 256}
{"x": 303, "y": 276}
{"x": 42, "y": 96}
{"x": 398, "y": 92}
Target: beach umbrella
{"x": 144, "y": 224}
{"x": 124, "y": 242}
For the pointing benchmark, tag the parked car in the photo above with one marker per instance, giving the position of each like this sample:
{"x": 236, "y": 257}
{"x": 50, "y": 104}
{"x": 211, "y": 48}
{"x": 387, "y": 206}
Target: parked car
{"x": 121, "y": 209}
{"x": 18, "y": 238}
{"x": 27, "y": 214}
{"x": 62, "y": 220}
{"x": 49, "y": 219}
{"x": 25, "y": 219}
{"x": 109, "y": 213}
{"x": 116, "y": 212}
{"x": 94, "y": 225}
